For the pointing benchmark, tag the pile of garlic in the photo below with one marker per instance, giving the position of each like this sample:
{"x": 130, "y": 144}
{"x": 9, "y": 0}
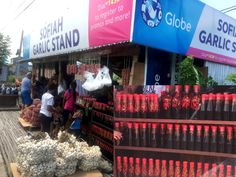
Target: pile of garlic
{"x": 35, "y": 158}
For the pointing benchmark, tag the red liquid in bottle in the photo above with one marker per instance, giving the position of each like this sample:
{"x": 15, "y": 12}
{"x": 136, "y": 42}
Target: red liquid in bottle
{"x": 150, "y": 168}
{"x": 125, "y": 166}
{"x": 123, "y": 130}
{"x": 154, "y": 135}
{"x": 162, "y": 135}
{"x": 218, "y": 107}
{"x": 118, "y": 166}
{"x": 210, "y": 107}
{"x": 144, "y": 167}
{"x": 234, "y": 139}
{"x": 195, "y": 102}
{"x": 166, "y": 103}
{"x": 136, "y": 135}
{"x": 156, "y": 105}
{"x": 176, "y": 102}
{"x": 163, "y": 168}
{"x": 185, "y": 169}
{"x": 198, "y": 142}
{"x": 213, "y": 144}
{"x": 191, "y": 137}
{"x": 130, "y": 139}
{"x": 191, "y": 170}
{"x": 177, "y": 169}
{"x": 221, "y": 171}
{"x": 137, "y": 168}
{"x": 151, "y": 109}
{"x": 185, "y": 103}
{"x": 143, "y": 106}
{"x": 136, "y": 105}
{"x": 131, "y": 167}
{"x": 124, "y": 105}
{"x": 117, "y": 128}
{"x": 184, "y": 137}
{"x": 130, "y": 106}
{"x": 118, "y": 105}
{"x": 177, "y": 137}
{"x": 149, "y": 132}
{"x": 157, "y": 170}
{"x": 233, "y": 108}
{"x": 144, "y": 135}
{"x": 203, "y": 107}
{"x": 206, "y": 138}
{"x": 199, "y": 169}
{"x": 228, "y": 171}
{"x": 214, "y": 170}
{"x": 229, "y": 139}
{"x": 221, "y": 142}
{"x": 169, "y": 135}
{"x": 171, "y": 168}
{"x": 226, "y": 109}
{"x": 206, "y": 172}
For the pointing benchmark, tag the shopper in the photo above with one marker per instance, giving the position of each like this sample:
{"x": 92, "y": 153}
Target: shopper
{"x": 69, "y": 100}
{"x": 47, "y": 108}
{"x": 25, "y": 90}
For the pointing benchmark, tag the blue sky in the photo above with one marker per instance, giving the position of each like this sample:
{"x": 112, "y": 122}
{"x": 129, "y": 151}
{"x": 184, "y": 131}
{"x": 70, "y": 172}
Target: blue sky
{"x": 222, "y": 4}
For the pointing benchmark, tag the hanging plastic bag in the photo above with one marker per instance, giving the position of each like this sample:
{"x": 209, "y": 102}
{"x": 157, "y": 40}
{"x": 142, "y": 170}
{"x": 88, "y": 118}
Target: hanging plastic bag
{"x": 106, "y": 80}
{"x": 91, "y": 84}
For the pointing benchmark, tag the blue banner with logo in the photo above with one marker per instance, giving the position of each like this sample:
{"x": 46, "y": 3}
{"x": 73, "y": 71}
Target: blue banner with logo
{"x": 167, "y": 25}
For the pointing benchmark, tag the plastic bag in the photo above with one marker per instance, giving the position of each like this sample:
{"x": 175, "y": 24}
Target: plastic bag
{"x": 90, "y": 84}
{"x": 75, "y": 124}
{"x": 106, "y": 80}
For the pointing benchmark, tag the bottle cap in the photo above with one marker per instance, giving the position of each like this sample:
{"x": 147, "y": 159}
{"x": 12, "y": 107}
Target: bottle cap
{"x": 206, "y": 127}
{"x": 177, "y": 163}
{"x": 212, "y": 96}
{"x": 227, "y": 96}
{"x": 136, "y": 125}
{"x": 177, "y": 126}
{"x": 222, "y": 128}
{"x": 191, "y": 127}
{"x": 124, "y": 96}
{"x": 219, "y": 96}
{"x": 129, "y": 125}
{"x": 186, "y": 87}
{"x": 228, "y": 168}
{"x": 199, "y": 127}
{"x": 162, "y": 126}
{"x": 155, "y": 96}
{"x": 130, "y": 96}
{"x": 131, "y": 160}
{"x": 213, "y": 128}
{"x": 221, "y": 166}
{"x": 171, "y": 162}
{"x": 196, "y": 88}
{"x": 204, "y": 97}
{"x": 184, "y": 127}
{"x": 192, "y": 165}
{"x": 125, "y": 159}
{"x": 178, "y": 87}
{"x": 117, "y": 124}
{"x": 144, "y": 160}
{"x": 185, "y": 163}
{"x": 154, "y": 125}
{"x": 118, "y": 96}
{"x": 206, "y": 165}
{"x": 144, "y": 125}
{"x": 137, "y": 160}
{"x": 121, "y": 124}
{"x": 163, "y": 162}
{"x": 142, "y": 96}
{"x": 149, "y": 124}
{"x": 157, "y": 162}
{"x": 213, "y": 165}
{"x": 136, "y": 96}
{"x": 199, "y": 165}
{"x": 170, "y": 126}
{"x": 167, "y": 87}
{"x": 229, "y": 129}
{"x": 118, "y": 158}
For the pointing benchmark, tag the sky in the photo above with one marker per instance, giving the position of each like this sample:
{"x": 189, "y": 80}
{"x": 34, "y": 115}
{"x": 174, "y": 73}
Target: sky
{"x": 15, "y": 16}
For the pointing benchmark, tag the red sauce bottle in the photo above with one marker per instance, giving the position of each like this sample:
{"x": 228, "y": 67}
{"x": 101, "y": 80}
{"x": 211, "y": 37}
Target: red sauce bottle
{"x": 214, "y": 170}
{"x": 199, "y": 169}
{"x": 171, "y": 168}
{"x": 176, "y": 102}
{"x": 185, "y": 103}
{"x": 125, "y": 166}
{"x": 124, "y": 105}
{"x": 229, "y": 139}
{"x": 206, "y": 172}
{"x": 191, "y": 137}
{"x": 206, "y": 138}
{"x": 149, "y": 132}
{"x": 169, "y": 136}
{"x": 234, "y": 140}
{"x": 163, "y": 168}
{"x": 221, "y": 142}
{"x": 226, "y": 109}
{"x": 228, "y": 171}
{"x": 210, "y": 107}
{"x": 166, "y": 102}
{"x": 177, "y": 137}
{"x": 185, "y": 169}
{"x": 184, "y": 136}
{"x": 177, "y": 169}
{"x": 203, "y": 107}
{"x": 130, "y": 105}
{"x": 150, "y": 168}
{"x": 144, "y": 135}
{"x": 151, "y": 109}
{"x": 144, "y": 172}
{"x": 153, "y": 141}
{"x": 156, "y": 105}
{"x": 136, "y": 105}
{"x": 136, "y": 135}
{"x": 118, "y": 105}
{"x": 162, "y": 135}
{"x": 218, "y": 107}
{"x": 198, "y": 142}
{"x": 221, "y": 170}
{"x": 157, "y": 170}
{"x": 118, "y": 166}
{"x": 130, "y": 136}
{"x": 191, "y": 170}
{"x": 137, "y": 168}
{"x": 213, "y": 141}
{"x": 195, "y": 101}
{"x": 131, "y": 167}
{"x": 143, "y": 106}
{"x": 233, "y": 108}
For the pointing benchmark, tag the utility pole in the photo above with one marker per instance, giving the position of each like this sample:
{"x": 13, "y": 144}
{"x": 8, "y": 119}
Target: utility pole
{"x": 19, "y": 55}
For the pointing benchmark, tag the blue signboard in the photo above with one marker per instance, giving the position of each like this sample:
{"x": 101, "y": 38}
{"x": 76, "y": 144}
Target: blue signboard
{"x": 167, "y": 25}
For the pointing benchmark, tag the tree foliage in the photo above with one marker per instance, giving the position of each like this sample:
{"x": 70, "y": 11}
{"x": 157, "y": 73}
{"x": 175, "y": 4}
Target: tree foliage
{"x": 4, "y": 48}
{"x": 231, "y": 77}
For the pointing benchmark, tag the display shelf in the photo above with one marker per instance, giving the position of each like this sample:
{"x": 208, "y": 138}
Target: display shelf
{"x": 101, "y": 125}
{"x": 180, "y": 121}
{"x": 107, "y": 142}
{"x": 176, "y": 151}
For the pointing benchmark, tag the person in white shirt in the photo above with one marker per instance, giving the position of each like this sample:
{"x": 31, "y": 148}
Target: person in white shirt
{"x": 47, "y": 109}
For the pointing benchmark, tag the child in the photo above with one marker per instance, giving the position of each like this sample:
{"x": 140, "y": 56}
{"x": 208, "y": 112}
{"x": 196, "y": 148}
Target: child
{"x": 76, "y": 124}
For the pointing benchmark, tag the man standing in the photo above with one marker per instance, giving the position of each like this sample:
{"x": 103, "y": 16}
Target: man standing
{"x": 25, "y": 90}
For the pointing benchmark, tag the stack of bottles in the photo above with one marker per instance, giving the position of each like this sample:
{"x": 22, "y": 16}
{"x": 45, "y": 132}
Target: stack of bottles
{"x": 149, "y": 167}
{"x": 214, "y": 138}
{"x": 179, "y": 103}
{"x": 102, "y": 132}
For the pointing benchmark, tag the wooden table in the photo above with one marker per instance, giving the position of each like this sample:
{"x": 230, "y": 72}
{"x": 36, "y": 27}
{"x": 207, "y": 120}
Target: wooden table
{"x": 94, "y": 173}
